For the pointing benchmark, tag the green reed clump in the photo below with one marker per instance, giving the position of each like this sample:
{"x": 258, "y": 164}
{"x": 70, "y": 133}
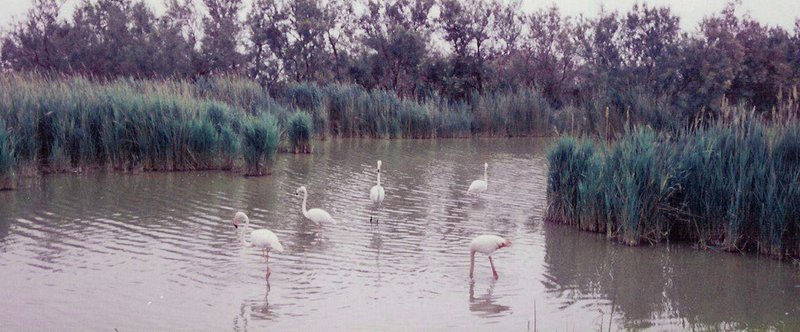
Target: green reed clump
{"x": 568, "y": 160}
{"x": 227, "y": 90}
{"x": 261, "y": 137}
{"x": 6, "y": 158}
{"x": 299, "y": 129}
{"x": 202, "y": 142}
{"x": 71, "y": 123}
{"x": 639, "y": 186}
{"x": 779, "y": 226}
{"x": 353, "y": 111}
{"x": 450, "y": 119}
{"x": 229, "y": 147}
{"x": 309, "y": 97}
{"x": 593, "y": 202}
{"x": 735, "y": 186}
{"x": 341, "y": 104}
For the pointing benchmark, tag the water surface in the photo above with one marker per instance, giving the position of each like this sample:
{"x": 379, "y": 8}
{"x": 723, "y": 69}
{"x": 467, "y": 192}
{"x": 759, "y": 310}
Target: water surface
{"x": 156, "y": 251}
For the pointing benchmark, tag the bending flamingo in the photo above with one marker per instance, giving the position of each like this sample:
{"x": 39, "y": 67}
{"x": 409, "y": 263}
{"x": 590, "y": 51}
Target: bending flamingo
{"x": 485, "y": 244}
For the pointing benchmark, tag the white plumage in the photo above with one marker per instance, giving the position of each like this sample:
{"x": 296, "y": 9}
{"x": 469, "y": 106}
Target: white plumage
{"x": 265, "y": 238}
{"x": 318, "y": 216}
{"x": 376, "y": 194}
{"x": 261, "y": 238}
{"x": 486, "y": 244}
{"x": 480, "y": 186}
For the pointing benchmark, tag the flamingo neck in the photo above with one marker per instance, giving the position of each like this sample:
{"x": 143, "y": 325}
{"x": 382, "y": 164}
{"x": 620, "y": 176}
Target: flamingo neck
{"x": 379, "y": 177}
{"x": 485, "y": 175}
{"x": 305, "y": 197}
{"x": 244, "y": 232}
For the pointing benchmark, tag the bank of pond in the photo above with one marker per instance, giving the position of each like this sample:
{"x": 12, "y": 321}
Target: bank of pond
{"x": 732, "y": 186}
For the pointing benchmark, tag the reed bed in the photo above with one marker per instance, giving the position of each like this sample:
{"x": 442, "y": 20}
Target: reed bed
{"x": 733, "y": 186}
{"x": 69, "y": 124}
{"x": 351, "y": 111}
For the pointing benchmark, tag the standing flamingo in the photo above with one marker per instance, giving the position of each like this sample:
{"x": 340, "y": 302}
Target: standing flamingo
{"x": 480, "y": 186}
{"x": 262, "y": 238}
{"x": 318, "y": 216}
{"x": 376, "y": 194}
{"x": 485, "y": 244}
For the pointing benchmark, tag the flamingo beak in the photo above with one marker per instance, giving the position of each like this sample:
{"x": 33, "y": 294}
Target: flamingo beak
{"x": 235, "y": 226}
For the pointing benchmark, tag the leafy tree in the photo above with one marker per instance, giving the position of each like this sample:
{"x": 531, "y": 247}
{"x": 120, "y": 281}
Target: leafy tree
{"x": 36, "y": 42}
{"x": 219, "y": 46}
{"x": 395, "y": 36}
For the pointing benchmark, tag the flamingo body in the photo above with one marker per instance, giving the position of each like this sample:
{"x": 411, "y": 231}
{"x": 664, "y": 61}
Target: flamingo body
{"x": 264, "y": 238}
{"x": 260, "y": 238}
{"x": 376, "y": 194}
{"x": 318, "y": 216}
{"x": 487, "y": 245}
{"x": 477, "y": 187}
{"x": 480, "y": 186}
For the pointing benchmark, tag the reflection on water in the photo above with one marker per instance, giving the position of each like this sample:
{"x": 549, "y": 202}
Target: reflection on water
{"x": 156, "y": 251}
{"x": 670, "y": 285}
{"x": 485, "y": 305}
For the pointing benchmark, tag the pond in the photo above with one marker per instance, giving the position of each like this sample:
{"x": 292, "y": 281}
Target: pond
{"x": 157, "y": 251}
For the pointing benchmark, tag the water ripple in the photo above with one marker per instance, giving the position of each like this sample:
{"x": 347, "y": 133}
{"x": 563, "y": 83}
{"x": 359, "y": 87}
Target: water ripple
{"x": 135, "y": 252}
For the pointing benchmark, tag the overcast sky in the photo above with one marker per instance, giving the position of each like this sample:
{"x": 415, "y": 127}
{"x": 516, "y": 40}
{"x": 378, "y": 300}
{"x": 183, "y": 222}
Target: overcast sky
{"x": 772, "y": 12}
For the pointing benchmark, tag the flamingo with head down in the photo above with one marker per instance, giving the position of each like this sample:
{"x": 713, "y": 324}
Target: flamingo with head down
{"x": 486, "y": 244}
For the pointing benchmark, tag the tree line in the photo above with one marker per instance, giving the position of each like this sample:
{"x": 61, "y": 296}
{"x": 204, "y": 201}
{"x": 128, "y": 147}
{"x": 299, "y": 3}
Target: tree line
{"x": 456, "y": 49}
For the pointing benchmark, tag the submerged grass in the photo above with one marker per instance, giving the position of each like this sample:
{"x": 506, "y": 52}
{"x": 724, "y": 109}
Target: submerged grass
{"x": 733, "y": 186}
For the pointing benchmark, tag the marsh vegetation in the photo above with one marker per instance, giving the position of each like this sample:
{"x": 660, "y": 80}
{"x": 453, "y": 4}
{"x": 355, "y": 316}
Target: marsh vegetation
{"x": 733, "y": 185}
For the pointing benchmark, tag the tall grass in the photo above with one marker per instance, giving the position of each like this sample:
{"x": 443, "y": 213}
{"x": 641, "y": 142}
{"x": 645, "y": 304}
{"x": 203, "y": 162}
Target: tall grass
{"x": 733, "y": 186}
{"x": 6, "y": 158}
{"x": 351, "y": 111}
{"x": 299, "y": 130}
{"x": 261, "y": 138}
{"x": 69, "y": 123}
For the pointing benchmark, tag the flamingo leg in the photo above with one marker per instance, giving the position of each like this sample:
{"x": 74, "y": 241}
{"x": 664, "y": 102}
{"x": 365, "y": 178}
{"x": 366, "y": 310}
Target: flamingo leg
{"x": 269, "y": 271}
{"x": 494, "y": 272}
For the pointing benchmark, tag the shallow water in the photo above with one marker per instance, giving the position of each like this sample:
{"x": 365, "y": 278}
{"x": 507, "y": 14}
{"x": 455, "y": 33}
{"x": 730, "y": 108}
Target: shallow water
{"x": 156, "y": 251}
